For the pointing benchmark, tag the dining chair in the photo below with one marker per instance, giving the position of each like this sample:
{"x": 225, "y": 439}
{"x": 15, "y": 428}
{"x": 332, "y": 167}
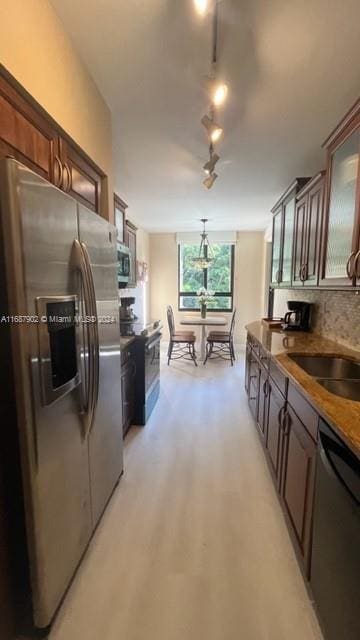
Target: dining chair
{"x": 220, "y": 344}
{"x": 181, "y": 343}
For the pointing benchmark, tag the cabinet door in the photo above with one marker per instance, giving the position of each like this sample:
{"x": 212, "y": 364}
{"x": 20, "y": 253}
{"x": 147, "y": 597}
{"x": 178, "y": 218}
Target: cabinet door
{"x": 298, "y": 481}
{"x": 263, "y": 387}
{"x": 80, "y": 178}
{"x": 341, "y": 230}
{"x": 313, "y": 233}
{"x": 26, "y": 135}
{"x": 300, "y": 241}
{"x": 247, "y": 367}
{"x": 254, "y": 385}
{"x": 288, "y": 238}
{"x": 130, "y": 241}
{"x": 274, "y": 434}
{"x": 276, "y": 248}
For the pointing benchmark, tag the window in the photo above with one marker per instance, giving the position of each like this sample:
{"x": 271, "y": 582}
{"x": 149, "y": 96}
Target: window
{"x": 219, "y": 277}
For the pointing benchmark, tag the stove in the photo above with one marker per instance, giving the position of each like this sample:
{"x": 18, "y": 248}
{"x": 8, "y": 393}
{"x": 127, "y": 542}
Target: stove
{"x": 146, "y": 354}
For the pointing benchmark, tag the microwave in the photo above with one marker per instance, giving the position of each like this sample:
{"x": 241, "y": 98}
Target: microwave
{"x": 123, "y": 270}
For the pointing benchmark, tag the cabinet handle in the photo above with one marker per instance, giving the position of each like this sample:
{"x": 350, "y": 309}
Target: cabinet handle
{"x": 60, "y": 167}
{"x": 349, "y": 267}
{"x": 356, "y": 260}
{"x": 280, "y": 417}
{"x": 68, "y": 183}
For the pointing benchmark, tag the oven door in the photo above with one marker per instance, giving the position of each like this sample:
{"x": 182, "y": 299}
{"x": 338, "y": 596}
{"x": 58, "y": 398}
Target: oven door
{"x": 152, "y": 363}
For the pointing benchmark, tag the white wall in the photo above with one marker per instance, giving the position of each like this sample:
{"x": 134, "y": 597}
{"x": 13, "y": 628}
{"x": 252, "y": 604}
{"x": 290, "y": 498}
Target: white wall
{"x": 36, "y": 50}
{"x": 248, "y": 281}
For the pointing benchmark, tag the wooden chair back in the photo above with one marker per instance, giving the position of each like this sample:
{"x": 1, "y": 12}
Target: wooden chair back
{"x": 171, "y": 321}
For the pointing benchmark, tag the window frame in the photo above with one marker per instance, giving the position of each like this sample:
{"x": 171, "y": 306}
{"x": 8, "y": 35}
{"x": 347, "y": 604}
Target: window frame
{"x": 191, "y": 294}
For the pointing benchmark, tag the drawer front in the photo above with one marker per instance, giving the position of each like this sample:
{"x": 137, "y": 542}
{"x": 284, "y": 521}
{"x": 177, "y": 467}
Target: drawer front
{"x": 279, "y": 378}
{"x": 304, "y": 411}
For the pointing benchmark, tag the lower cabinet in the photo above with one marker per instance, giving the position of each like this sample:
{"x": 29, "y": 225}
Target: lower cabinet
{"x": 290, "y": 442}
{"x": 128, "y": 372}
{"x": 298, "y": 481}
{"x": 274, "y": 438}
{"x": 262, "y": 408}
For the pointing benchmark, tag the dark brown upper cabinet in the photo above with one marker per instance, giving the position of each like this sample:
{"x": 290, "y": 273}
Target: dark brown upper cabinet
{"x": 119, "y": 217}
{"x": 283, "y": 234}
{"x": 307, "y": 232}
{"x": 340, "y": 260}
{"x": 79, "y": 176}
{"x": 26, "y": 135}
{"x": 130, "y": 241}
{"x": 31, "y": 136}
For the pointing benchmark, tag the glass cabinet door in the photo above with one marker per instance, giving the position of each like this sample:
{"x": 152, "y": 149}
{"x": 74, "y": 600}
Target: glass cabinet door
{"x": 342, "y": 220}
{"x": 276, "y": 247}
{"x": 299, "y": 241}
{"x": 289, "y": 219}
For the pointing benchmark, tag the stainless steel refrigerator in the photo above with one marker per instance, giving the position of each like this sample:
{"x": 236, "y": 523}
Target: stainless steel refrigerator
{"x": 59, "y": 304}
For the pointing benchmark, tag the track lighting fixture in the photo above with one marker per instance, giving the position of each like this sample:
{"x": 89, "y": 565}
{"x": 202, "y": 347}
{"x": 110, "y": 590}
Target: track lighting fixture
{"x": 209, "y": 166}
{"x": 201, "y": 6}
{"x": 213, "y": 129}
{"x": 219, "y": 94}
{"x": 209, "y": 181}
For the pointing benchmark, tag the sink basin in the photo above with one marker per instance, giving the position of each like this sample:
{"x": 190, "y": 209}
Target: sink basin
{"x": 328, "y": 366}
{"x": 349, "y": 389}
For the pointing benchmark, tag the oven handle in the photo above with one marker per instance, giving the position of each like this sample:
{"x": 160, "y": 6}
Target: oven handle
{"x": 154, "y": 341}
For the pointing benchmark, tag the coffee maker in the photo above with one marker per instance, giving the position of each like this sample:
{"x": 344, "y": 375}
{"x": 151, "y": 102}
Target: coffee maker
{"x": 298, "y": 316}
{"x": 127, "y": 316}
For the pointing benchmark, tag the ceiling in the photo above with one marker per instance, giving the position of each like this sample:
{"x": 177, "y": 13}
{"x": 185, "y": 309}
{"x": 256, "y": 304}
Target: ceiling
{"x": 292, "y": 70}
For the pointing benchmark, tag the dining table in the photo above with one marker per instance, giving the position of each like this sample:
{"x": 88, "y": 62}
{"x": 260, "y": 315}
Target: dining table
{"x": 209, "y": 321}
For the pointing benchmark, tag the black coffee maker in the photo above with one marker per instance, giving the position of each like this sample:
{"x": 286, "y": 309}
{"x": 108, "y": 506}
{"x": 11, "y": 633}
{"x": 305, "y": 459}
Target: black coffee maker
{"x": 298, "y": 316}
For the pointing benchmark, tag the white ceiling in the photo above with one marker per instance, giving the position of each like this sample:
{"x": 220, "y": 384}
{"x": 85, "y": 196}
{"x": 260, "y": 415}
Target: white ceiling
{"x": 292, "y": 69}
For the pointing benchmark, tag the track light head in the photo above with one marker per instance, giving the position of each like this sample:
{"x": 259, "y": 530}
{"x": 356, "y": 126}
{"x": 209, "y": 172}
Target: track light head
{"x": 214, "y": 130}
{"x": 201, "y": 6}
{"x": 209, "y": 166}
{"x": 219, "y": 94}
{"x": 209, "y": 181}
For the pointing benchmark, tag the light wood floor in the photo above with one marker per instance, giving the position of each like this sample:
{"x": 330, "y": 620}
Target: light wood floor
{"x": 193, "y": 545}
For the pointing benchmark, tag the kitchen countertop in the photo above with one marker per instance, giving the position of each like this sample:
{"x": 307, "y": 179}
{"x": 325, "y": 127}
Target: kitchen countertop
{"x": 125, "y": 341}
{"x": 341, "y": 414}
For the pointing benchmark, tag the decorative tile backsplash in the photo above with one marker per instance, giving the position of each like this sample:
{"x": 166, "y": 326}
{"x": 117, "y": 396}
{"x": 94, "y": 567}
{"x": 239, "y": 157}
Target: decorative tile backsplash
{"x": 335, "y": 314}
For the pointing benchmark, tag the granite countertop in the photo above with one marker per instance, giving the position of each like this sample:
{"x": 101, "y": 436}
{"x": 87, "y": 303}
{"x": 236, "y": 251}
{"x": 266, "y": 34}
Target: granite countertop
{"x": 125, "y": 341}
{"x": 341, "y": 414}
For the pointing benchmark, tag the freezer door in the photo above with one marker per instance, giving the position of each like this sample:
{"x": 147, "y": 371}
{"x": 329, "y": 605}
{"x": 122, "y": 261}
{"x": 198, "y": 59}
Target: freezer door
{"x": 105, "y": 440}
{"x": 39, "y": 226}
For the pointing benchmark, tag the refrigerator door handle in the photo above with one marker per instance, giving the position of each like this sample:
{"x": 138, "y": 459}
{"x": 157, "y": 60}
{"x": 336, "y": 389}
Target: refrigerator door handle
{"x": 79, "y": 264}
{"x": 95, "y": 326}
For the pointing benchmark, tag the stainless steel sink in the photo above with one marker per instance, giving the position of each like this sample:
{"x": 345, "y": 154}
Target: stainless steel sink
{"x": 328, "y": 366}
{"x": 349, "y": 389}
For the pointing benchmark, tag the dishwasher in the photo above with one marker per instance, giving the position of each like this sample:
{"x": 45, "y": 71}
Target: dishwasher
{"x": 335, "y": 566}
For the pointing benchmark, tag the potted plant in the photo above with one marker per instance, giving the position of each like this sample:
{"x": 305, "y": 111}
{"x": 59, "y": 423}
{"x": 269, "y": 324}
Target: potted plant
{"x": 204, "y": 298}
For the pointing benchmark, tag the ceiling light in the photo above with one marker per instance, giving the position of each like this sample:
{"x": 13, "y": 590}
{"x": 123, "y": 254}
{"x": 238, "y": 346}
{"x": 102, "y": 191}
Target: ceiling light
{"x": 210, "y": 165}
{"x": 220, "y": 94}
{"x": 209, "y": 181}
{"x": 213, "y": 129}
{"x": 202, "y": 261}
{"x": 201, "y": 6}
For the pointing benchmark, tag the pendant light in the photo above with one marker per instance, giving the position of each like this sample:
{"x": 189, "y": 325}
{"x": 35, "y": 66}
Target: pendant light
{"x": 205, "y": 252}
